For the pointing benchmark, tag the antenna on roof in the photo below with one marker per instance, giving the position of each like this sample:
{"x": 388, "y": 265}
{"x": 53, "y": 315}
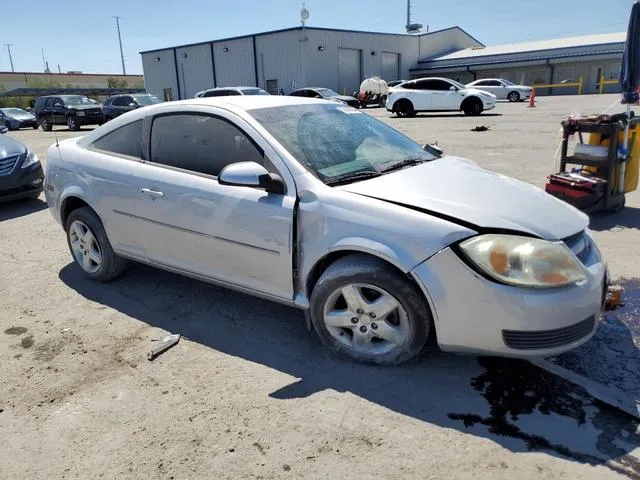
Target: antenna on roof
{"x": 304, "y": 15}
{"x": 411, "y": 27}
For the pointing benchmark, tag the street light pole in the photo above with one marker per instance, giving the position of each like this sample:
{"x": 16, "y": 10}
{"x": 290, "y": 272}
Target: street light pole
{"x": 124, "y": 71}
{"x": 9, "y": 45}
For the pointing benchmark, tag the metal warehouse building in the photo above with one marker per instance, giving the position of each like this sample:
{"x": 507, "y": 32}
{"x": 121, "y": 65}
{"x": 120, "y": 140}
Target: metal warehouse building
{"x": 294, "y": 58}
{"x": 591, "y": 58}
{"x": 284, "y": 60}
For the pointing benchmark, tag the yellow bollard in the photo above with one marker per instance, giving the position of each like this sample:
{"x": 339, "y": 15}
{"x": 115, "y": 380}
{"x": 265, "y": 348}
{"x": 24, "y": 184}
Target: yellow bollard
{"x": 580, "y": 85}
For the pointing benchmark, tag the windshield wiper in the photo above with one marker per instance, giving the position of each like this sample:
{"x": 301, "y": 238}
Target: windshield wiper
{"x": 409, "y": 162}
{"x": 352, "y": 177}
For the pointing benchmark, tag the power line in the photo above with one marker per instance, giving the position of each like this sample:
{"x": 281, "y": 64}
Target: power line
{"x": 9, "y": 45}
{"x": 124, "y": 71}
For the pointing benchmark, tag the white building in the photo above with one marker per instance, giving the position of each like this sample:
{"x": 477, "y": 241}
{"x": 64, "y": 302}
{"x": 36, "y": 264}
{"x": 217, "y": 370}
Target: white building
{"x": 294, "y": 58}
{"x": 283, "y": 60}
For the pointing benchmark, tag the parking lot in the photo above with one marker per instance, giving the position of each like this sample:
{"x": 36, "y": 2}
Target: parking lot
{"x": 250, "y": 393}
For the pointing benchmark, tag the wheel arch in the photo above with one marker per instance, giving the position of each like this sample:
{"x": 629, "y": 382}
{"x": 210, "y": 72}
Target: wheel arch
{"x": 70, "y": 201}
{"x": 362, "y": 246}
{"x": 470, "y": 98}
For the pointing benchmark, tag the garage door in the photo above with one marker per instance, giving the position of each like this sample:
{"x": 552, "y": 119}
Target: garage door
{"x": 349, "y": 71}
{"x": 390, "y": 66}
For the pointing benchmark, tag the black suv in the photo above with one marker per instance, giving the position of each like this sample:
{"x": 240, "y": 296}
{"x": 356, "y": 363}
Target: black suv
{"x": 71, "y": 110}
{"x": 118, "y": 104}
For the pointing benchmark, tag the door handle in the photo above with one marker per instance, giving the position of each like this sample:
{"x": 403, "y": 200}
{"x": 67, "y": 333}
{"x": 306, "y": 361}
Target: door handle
{"x": 152, "y": 193}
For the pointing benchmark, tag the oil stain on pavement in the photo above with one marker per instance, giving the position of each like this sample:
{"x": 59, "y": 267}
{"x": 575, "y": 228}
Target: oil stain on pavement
{"x": 15, "y": 331}
{"x": 516, "y": 389}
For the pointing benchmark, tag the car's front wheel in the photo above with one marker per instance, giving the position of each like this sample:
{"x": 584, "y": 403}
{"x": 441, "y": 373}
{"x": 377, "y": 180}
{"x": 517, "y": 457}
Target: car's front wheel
{"x": 472, "y": 106}
{"x": 72, "y": 123}
{"x": 91, "y": 248}
{"x": 404, "y": 108}
{"x": 513, "y": 97}
{"x": 366, "y": 311}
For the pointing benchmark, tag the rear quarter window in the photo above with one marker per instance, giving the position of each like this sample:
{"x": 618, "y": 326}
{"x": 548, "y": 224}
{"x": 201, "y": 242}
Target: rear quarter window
{"x": 125, "y": 140}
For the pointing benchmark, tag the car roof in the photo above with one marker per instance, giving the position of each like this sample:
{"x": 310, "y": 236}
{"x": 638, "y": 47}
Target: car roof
{"x": 237, "y": 104}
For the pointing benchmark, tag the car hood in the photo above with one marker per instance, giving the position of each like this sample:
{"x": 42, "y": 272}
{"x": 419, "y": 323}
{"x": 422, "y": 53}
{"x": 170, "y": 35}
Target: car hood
{"x": 85, "y": 107}
{"x": 344, "y": 98}
{"x": 478, "y": 91}
{"x": 462, "y": 192}
{"x": 10, "y": 146}
{"x": 22, "y": 116}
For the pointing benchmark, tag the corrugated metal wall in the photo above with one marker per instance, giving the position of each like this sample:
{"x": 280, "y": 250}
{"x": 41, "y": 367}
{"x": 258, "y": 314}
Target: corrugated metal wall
{"x": 279, "y": 59}
{"x": 235, "y": 66}
{"x": 160, "y": 73}
{"x": 294, "y": 59}
{"x": 443, "y": 42}
{"x": 321, "y": 49}
{"x": 195, "y": 69}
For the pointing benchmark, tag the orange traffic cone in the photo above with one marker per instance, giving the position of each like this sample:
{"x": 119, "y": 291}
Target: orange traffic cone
{"x": 532, "y": 98}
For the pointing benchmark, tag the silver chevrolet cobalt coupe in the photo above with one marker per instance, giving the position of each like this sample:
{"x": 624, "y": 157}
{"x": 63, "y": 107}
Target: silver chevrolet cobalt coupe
{"x": 320, "y": 206}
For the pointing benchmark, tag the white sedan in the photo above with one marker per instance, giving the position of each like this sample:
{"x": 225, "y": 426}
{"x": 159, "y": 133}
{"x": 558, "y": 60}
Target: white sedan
{"x": 503, "y": 89}
{"x": 437, "y": 95}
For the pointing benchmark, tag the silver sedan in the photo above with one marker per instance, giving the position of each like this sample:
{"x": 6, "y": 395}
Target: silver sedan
{"x": 317, "y": 205}
{"x": 503, "y": 89}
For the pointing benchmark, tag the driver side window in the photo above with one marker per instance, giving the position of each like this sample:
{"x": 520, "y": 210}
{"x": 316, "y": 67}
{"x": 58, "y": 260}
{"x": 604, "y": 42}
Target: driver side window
{"x": 201, "y": 143}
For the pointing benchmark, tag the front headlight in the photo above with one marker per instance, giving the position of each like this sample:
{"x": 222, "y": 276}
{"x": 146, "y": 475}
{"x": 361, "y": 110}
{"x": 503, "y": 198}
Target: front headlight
{"x": 523, "y": 261}
{"x": 31, "y": 159}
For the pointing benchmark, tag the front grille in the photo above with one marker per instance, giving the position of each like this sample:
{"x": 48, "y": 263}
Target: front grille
{"x": 580, "y": 245}
{"x": 7, "y": 164}
{"x": 93, "y": 112}
{"x": 542, "y": 339}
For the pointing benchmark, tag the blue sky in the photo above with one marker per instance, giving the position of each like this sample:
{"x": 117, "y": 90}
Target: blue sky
{"x": 82, "y": 37}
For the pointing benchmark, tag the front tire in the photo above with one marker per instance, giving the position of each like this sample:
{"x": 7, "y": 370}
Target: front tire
{"x": 72, "y": 123}
{"x": 367, "y": 312}
{"x": 91, "y": 248}
{"x": 513, "y": 97}
{"x": 472, "y": 106}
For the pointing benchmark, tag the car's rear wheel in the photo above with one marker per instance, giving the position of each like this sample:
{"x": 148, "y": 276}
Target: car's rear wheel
{"x": 45, "y": 124}
{"x": 35, "y": 127}
{"x": 404, "y": 108}
{"x": 472, "y": 106}
{"x": 513, "y": 97}
{"x": 366, "y": 311}
{"x": 90, "y": 246}
{"x": 72, "y": 123}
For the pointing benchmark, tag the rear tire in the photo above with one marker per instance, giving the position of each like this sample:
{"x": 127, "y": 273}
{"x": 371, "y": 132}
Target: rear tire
{"x": 389, "y": 338}
{"x": 45, "y": 125}
{"x": 103, "y": 264}
{"x": 472, "y": 106}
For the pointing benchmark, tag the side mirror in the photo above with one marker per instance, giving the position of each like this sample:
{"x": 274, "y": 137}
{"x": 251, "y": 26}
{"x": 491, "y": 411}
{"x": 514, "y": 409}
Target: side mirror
{"x": 251, "y": 174}
{"x": 433, "y": 149}
{"x": 58, "y": 105}
{"x": 133, "y": 104}
{"x": 453, "y": 89}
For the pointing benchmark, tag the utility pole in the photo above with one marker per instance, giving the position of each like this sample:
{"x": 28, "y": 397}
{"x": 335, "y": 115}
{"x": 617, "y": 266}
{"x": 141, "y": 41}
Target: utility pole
{"x": 124, "y": 71}
{"x": 9, "y": 45}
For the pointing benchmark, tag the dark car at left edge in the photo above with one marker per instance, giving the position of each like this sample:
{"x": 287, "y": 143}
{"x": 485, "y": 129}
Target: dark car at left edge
{"x": 17, "y": 118}
{"x": 21, "y": 174}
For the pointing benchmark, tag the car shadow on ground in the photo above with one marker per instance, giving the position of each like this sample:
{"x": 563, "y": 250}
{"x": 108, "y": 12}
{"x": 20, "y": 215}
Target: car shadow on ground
{"x": 511, "y": 402}
{"x": 20, "y": 208}
{"x": 627, "y": 218}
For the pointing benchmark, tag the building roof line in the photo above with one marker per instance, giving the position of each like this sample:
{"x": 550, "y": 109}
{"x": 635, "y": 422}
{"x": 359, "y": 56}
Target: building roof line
{"x": 517, "y": 60}
{"x": 324, "y": 29}
{"x": 63, "y": 74}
